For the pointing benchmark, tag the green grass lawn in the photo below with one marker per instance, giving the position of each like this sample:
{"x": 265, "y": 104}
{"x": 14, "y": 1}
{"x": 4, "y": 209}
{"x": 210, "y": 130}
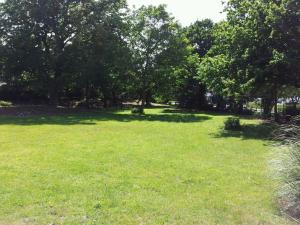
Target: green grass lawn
{"x": 166, "y": 167}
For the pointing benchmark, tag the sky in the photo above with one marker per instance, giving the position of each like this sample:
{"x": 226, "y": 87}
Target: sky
{"x": 188, "y": 11}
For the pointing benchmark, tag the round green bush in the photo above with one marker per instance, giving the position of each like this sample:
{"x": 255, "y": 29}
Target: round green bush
{"x": 232, "y": 123}
{"x": 137, "y": 110}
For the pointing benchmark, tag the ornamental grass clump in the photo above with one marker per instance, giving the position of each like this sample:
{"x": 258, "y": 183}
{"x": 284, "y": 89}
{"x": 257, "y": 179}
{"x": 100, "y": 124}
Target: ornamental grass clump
{"x": 289, "y": 167}
{"x": 290, "y": 173}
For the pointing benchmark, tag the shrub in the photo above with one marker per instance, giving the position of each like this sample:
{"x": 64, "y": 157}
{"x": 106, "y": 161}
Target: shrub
{"x": 232, "y": 123}
{"x": 290, "y": 175}
{"x": 289, "y": 167}
{"x": 5, "y": 104}
{"x": 137, "y": 110}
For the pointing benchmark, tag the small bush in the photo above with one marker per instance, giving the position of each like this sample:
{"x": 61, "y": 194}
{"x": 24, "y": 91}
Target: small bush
{"x": 232, "y": 123}
{"x": 137, "y": 110}
{"x": 5, "y": 104}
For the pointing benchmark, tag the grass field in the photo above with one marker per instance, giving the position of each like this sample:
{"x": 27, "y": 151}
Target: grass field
{"x": 167, "y": 167}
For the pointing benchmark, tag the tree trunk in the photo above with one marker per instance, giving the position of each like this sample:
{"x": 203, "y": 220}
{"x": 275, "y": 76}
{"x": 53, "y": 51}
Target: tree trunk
{"x": 267, "y": 107}
{"x": 114, "y": 98}
{"x": 87, "y": 95}
{"x": 55, "y": 89}
{"x": 202, "y": 103}
{"x": 53, "y": 92}
{"x": 105, "y": 101}
{"x": 148, "y": 98}
{"x": 240, "y": 107}
{"x": 276, "y": 116}
{"x": 143, "y": 102}
{"x": 143, "y": 98}
{"x": 220, "y": 103}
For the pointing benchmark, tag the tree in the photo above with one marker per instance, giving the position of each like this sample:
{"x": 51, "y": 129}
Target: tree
{"x": 220, "y": 70}
{"x": 257, "y": 48}
{"x": 192, "y": 90}
{"x": 155, "y": 43}
{"x": 102, "y": 54}
{"x": 41, "y": 31}
{"x": 200, "y": 35}
{"x": 38, "y": 40}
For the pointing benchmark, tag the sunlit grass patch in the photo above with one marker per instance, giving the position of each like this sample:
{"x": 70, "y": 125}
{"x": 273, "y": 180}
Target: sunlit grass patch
{"x": 163, "y": 167}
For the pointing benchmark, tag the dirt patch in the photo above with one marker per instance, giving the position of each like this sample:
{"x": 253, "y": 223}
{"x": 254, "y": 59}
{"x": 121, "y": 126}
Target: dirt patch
{"x": 291, "y": 211}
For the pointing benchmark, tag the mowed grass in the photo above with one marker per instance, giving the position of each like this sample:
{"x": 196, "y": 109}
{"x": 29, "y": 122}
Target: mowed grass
{"x": 166, "y": 167}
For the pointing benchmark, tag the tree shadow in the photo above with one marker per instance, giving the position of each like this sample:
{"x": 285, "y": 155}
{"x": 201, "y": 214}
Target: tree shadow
{"x": 210, "y": 113}
{"x": 195, "y": 111}
{"x": 178, "y": 111}
{"x": 94, "y": 117}
{"x": 261, "y": 131}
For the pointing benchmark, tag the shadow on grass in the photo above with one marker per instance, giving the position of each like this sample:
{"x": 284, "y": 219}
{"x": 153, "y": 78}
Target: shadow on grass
{"x": 194, "y": 111}
{"x": 92, "y": 119}
{"x": 249, "y": 131}
{"x": 210, "y": 113}
{"x": 178, "y": 111}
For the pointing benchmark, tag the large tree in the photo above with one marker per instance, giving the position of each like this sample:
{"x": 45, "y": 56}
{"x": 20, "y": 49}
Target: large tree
{"x": 102, "y": 54}
{"x": 42, "y": 31}
{"x": 255, "y": 52}
{"x": 157, "y": 46}
{"x": 38, "y": 41}
{"x": 191, "y": 90}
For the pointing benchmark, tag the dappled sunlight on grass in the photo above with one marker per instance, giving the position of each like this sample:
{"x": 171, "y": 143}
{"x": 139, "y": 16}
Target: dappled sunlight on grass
{"x": 117, "y": 168}
{"x": 85, "y": 119}
{"x": 249, "y": 131}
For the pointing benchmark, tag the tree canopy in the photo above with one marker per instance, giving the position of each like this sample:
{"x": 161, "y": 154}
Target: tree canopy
{"x": 86, "y": 50}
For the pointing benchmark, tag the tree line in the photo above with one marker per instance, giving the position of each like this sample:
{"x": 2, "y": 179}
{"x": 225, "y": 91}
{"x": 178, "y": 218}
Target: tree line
{"x": 57, "y": 51}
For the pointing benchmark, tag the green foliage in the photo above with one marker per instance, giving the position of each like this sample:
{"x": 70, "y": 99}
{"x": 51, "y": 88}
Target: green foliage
{"x": 61, "y": 47}
{"x": 200, "y": 34}
{"x": 254, "y": 105}
{"x": 189, "y": 89}
{"x": 289, "y": 166}
{"x": 158, "y": 47}
{"x": 254, "y": 51}
{"x": 232, "y": 123}
{"x": 213, "y": 71}
{"x": 100, "y": 50}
